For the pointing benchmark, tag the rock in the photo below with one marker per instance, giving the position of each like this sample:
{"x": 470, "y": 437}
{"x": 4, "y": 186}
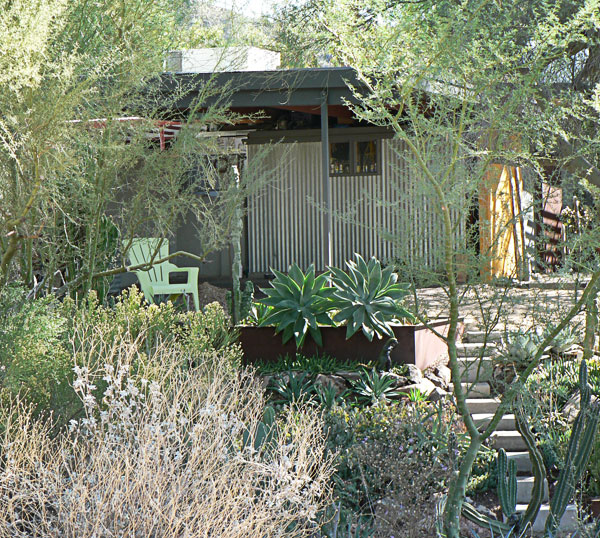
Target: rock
{"x": 265, "y": 380}
{"x": 401, "y": 381}
{"x": 349, "y": 376}
{"x": 437, "y": 394}
{"x": 331, "y": 380}
{"x": 444, "y": 373}
{"x": 414, "y": 374}
{"x": 571, "y": 408}
{"x": 437, "y": 381}
{"x": 425, "y": 386}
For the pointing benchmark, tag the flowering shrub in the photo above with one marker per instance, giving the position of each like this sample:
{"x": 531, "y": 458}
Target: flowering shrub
{"x": 163, "y": 457}
{"x": 394, "y": 460}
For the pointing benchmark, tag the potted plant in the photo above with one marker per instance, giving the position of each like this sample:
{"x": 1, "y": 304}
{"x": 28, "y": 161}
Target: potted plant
{"x": 354, "y": 315}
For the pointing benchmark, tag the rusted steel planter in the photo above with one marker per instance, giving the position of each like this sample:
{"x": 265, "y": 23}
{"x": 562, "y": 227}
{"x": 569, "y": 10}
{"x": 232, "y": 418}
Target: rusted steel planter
{"x": 417, "y": 344}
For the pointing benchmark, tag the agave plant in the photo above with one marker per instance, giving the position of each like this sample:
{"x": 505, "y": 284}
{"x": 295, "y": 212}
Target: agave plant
{"x": 367, "y": 297}
{"x": 372, "y": 387}
{"x": 299, "y": 304}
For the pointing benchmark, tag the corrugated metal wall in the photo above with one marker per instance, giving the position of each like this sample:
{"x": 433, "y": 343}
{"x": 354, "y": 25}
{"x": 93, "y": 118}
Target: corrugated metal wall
{"x": 285, "y": 221}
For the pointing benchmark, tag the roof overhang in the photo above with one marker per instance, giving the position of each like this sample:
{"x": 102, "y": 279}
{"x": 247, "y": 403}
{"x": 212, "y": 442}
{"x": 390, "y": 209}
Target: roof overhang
{"x": 289, "y": 89}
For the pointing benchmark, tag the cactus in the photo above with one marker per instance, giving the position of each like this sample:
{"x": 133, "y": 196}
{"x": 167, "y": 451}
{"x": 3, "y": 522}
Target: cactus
{"x": 472, "y": 514}
{"x": 265, "y": 431}
{"x": 507, "y": 494}
{"x": 507, "y": 485}
{"x": 538, "y": 468}
{"x": 580, "y": 447}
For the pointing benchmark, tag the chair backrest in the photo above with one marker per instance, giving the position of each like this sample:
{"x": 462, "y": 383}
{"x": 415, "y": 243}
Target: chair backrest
{"x": 141, "y": 251}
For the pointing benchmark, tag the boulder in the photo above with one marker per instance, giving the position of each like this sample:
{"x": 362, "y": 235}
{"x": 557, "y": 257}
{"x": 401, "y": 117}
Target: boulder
{"x": 571, "y": 408}
{"x": 425, "y": 386}
{"x": 437, "y": 381}
{"x": 331, "y": 380}
{"x": 414, "y": 374}
{"x": 437, "y": 394}
{"x": 444, "y": 373}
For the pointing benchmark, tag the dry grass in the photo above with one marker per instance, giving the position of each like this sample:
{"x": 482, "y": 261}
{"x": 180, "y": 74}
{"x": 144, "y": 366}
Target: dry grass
{"x": 161, "y": 456}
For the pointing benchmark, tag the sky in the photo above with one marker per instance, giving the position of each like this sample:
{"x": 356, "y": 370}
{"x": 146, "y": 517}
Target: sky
{"x": 250, "y": 7}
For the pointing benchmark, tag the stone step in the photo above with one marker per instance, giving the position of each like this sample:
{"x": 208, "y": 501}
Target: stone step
{"x": 477, "y": 337}
{"x": 511, "y": 441}
{"x": 475, "y": 390}
{"x": 507, "y": 422}
{"x": 522, "y": 459}
{"x": 568, "y": 522}
{"x": 525, "y": 487}
{"x": 475, "y": 350}
{"x": 476, "y": 370}
{"x": 482, "y": 405}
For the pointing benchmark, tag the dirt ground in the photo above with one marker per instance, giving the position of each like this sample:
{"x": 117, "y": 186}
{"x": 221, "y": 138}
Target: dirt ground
{"x": 506, "y": 307}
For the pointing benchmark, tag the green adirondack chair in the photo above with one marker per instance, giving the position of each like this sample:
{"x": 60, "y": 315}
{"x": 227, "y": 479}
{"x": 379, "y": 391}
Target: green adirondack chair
{"x": 155, "y": 280}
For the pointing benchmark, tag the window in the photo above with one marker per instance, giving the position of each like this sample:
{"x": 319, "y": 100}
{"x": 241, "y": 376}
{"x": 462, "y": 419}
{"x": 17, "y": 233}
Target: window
{"x": 359, "y": 157}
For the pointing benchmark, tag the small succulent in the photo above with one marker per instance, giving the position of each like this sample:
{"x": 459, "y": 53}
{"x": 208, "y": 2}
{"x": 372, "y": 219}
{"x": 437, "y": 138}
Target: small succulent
{"x": 298, "y": 387}
{"x": 367, "y": 297}
{"x": 372, "y": 387}
{"x": 299, "y": 304}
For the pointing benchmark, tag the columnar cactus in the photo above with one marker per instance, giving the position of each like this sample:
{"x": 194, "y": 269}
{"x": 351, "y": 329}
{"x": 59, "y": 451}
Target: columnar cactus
{"x": 538, "y": 469}
{"x": 507, "y": 485}
{"x": 580, "y": 447}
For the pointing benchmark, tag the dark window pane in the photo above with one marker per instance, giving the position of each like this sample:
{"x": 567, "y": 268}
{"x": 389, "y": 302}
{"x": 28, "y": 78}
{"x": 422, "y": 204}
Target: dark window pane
{"x": 366, "y": 157}
{"x": 339, "y": 160}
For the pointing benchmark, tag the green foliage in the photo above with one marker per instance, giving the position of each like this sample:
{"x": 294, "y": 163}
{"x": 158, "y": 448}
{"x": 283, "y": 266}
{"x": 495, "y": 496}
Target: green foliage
{"x": 41, "y": 340}
{"x": 35, "y": 364}
{"x": 265, "y": 434}
{"x": 315, "y": 364}
{"x": 327, "y": 396}
{"x": 372, "y": 388}
{"x": 293, "y": 388}
{"x": 415, "y": 395}
{"x": 299, "y": 304}
{"x": 383, "y": 450}
{"x": 580, "y": 447}
{"x": 367, "y": 297}
{"x": 507, "y": 484}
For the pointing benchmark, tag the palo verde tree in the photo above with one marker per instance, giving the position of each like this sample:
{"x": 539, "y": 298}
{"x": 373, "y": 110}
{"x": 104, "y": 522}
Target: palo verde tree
{"x": 82, "y": 98}
{"x": 466, "y": 86}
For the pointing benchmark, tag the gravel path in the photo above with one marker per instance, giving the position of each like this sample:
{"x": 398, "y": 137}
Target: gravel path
{"x": 509, "y": 307}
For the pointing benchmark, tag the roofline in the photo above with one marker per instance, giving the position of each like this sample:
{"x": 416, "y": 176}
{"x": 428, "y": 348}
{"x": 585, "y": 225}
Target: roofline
{"x": 264, "y": 89}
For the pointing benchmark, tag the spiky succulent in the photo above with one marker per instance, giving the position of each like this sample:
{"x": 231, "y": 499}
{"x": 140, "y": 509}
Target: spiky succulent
{"x": 367, "y": 297}
{"x": 300, "y": 304}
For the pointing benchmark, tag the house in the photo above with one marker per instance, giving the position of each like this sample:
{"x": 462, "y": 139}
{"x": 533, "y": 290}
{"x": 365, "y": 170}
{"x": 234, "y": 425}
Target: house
{"x": 339, "y": 185}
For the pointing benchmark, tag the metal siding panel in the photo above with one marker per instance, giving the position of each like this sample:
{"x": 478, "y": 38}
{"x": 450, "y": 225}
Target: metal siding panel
{"x": 285, "y": 227}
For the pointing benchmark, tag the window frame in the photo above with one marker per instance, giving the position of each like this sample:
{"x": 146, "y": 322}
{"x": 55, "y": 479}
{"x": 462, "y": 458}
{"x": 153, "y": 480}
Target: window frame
{"x": 353, "y": 153}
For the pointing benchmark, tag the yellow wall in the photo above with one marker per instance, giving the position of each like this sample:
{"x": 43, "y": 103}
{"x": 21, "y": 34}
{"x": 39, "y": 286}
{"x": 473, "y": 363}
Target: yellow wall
{"x": 501, "y": 228}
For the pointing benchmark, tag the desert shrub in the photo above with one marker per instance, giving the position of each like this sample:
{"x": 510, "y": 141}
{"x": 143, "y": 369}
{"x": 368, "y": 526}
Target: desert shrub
{"x": 41, "y": 340}
{"x": 35, "y": 365}
{"x": 207, "y": 331}
{"x": 174, "y": 456}
{"x": 393, "y": 461}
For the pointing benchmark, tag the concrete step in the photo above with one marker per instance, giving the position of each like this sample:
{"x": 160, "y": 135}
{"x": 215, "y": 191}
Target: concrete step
{"x": 522, "y": 459}
{"x": 475, "y": 390}
{"x": 482, "y": 405}
{"x": 477, "y": 337}
{"x": 525, "y": 487}
{"x": 467, "y": 349}
{"x": 568, "y": 522}
{"x": 511, "y": 441}
{"x": 507, "y": 422}
{"x": 476, "y": 370}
